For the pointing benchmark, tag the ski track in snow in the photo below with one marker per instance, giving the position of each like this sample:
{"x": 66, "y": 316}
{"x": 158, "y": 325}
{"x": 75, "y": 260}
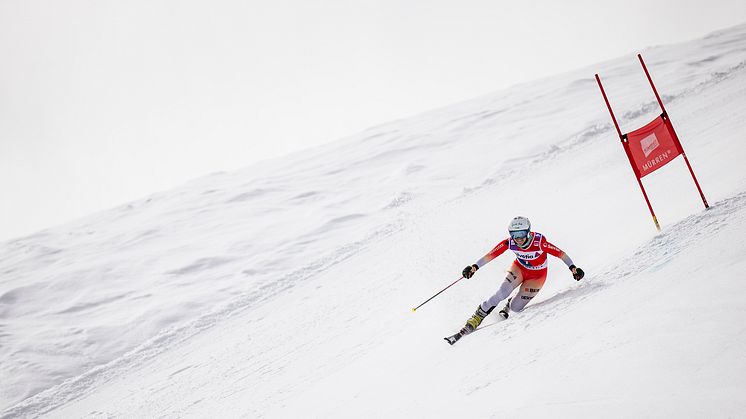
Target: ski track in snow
{"x": 658, "y": 252}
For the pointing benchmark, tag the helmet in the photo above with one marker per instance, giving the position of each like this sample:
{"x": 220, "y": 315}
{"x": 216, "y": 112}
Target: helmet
{"x": 519, "y": 227}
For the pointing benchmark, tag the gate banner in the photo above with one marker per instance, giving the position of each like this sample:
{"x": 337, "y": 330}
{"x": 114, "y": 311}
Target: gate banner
{"x": 652, "y": 146}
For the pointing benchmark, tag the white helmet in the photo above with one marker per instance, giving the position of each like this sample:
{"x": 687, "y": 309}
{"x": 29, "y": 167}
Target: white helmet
{"x": 519, "y": 224}
{"x": 519, "y": 228}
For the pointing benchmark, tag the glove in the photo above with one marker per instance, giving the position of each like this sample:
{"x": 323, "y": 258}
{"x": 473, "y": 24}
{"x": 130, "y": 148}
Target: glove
{"x": 469, "y": 271}
{"x": 577, "y": 273}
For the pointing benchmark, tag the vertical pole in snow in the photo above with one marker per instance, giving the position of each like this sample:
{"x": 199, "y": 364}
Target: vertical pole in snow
{"x": 670, "y": 125}
{"x": 625, "y": 144}
{"x": 613, "y": 118}
{"x": 650, "y": 80}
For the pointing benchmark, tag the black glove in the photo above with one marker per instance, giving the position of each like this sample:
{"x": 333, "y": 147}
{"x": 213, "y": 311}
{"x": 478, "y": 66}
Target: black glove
{"x": 469, "y": 271}
{"x": 577, "y": 273}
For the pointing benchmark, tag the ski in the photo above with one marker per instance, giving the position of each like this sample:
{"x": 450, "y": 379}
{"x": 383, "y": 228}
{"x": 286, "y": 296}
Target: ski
{"x": 464, "y": 331}
{"x": 453, "y": 338}
{"x": 461, "y": 333}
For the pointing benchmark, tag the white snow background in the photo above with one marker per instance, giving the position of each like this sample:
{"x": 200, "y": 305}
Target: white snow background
{"x": 286, "y": 289}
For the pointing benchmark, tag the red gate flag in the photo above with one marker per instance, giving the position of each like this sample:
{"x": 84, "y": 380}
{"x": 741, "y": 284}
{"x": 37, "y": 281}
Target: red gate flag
{"x": 652, "y": 146}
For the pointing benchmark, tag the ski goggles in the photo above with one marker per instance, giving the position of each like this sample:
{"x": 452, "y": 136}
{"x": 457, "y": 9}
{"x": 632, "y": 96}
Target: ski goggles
{"x": 520, "y": 234}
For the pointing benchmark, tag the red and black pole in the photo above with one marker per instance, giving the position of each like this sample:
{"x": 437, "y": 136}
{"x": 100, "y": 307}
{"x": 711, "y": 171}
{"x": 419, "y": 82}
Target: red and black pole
{"x": 452, "y": 284}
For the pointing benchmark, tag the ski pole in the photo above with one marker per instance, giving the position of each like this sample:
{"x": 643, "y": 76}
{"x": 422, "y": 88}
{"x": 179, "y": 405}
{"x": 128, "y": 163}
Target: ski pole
{"x": 452, "y": 284}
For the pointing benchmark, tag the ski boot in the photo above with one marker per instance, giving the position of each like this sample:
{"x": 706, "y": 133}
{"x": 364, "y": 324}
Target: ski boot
{"x": 475, "y": 320}
{"x": 504, "y": 312}
{"x": 471, "y": 325}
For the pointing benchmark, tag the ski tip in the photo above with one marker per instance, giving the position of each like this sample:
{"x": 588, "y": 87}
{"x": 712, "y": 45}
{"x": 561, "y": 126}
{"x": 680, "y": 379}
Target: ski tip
{"x": 413, "y": 310}
{"x": 452, "y": 339}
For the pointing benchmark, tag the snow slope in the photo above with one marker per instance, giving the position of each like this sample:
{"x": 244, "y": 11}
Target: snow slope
{"x": 286, "y": 288}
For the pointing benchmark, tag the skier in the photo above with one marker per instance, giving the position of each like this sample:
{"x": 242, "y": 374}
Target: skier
{"x": 529, "y": 271}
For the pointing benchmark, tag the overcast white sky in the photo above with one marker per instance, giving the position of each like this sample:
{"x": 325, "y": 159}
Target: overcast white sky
{"x": 103, "y": 101}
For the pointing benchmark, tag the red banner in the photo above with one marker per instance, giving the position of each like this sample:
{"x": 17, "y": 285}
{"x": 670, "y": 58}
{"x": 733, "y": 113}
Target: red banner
{"x": 652, "y": 146}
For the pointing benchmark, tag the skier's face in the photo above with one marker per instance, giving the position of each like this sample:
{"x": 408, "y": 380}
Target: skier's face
{"x": 520, "y": 237}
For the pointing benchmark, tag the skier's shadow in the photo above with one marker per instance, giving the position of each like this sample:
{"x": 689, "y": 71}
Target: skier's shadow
{"x": 574, "y": 293}
{"x": 551, "y": 302}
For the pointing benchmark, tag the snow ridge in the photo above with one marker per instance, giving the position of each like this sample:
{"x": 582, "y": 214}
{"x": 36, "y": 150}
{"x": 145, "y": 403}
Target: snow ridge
{"x": 270, "y": 288}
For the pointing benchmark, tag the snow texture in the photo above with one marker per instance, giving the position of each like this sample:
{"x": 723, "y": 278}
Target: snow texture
{"x": 285, "y": 289}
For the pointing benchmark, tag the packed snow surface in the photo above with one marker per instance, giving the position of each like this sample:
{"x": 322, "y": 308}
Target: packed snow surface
{"x": 286, "y": 289}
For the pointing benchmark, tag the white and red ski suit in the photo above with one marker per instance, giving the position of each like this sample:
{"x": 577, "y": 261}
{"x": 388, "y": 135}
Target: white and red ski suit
{"x": 529, "y": 270}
